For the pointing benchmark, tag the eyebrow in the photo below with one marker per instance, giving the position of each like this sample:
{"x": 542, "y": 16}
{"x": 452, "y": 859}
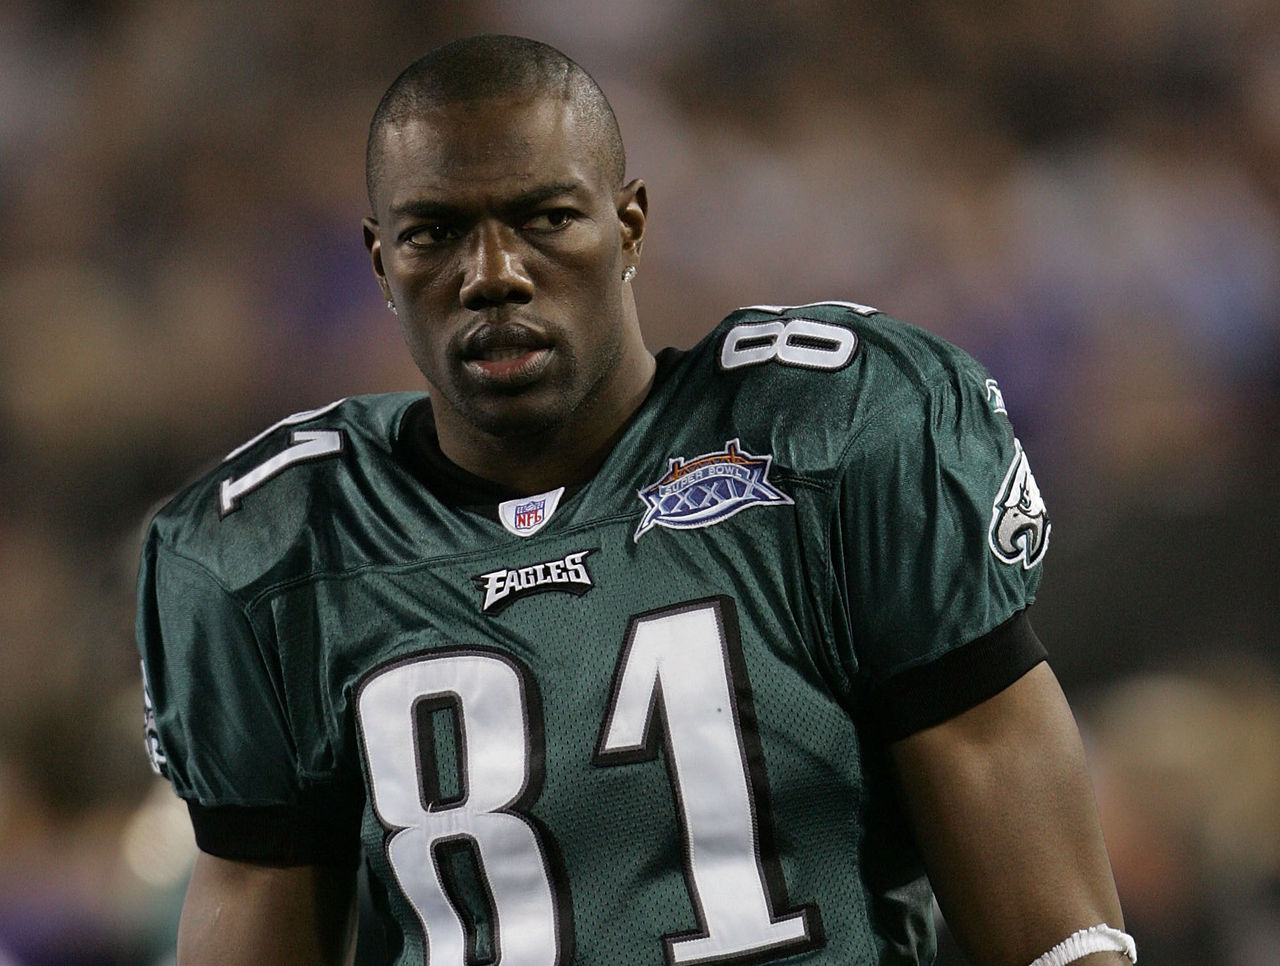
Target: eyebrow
{"x": 445, "y": 211}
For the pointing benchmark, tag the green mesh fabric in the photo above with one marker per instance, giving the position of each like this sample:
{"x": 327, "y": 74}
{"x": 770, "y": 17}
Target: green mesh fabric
{"x": 263, "y": 629}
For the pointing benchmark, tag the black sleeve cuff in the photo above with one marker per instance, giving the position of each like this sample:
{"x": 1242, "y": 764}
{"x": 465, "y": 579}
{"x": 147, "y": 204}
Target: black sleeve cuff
{"x": 280, "y": 835}
{"x": 930, "y": 694}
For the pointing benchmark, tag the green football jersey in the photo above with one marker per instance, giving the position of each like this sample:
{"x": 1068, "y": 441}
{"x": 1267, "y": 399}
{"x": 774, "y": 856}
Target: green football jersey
{"x": 641, "y": 721}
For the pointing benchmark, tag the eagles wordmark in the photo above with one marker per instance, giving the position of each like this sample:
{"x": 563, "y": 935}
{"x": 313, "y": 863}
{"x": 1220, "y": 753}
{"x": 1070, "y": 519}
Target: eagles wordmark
{"x": 502, "y": 588}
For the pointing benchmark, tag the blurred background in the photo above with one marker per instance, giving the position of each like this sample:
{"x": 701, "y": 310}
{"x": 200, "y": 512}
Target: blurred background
{"x": 1085, "y": 194}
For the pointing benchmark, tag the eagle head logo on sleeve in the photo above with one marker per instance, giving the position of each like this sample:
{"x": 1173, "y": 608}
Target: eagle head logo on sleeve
{"x": 155, "y": 751}
{"x": 1019, "y": 521}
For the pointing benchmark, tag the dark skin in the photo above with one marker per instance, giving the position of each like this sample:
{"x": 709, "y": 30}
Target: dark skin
{"x": 502, "y": 243}
{"x": 238, "y": 913}
{"x": 499, "y": 237}
{"x": 1003, "y": 807}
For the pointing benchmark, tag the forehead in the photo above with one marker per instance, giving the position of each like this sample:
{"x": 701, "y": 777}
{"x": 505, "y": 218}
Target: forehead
{"x": 473, "y": 149}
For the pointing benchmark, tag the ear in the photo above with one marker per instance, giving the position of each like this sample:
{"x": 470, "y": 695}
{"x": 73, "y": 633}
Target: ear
{"x": 373, "y": 242}
{"x": 633, "y": 209}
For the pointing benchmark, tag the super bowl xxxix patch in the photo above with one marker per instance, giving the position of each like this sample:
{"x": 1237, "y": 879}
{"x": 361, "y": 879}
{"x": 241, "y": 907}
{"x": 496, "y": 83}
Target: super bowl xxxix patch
{"x": 707, "y": 489}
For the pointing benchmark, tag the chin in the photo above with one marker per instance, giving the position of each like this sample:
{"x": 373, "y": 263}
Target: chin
{"x": 521, "y": 421}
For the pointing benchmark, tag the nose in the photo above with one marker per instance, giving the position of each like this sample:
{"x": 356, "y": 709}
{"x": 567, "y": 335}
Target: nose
{"x": 493, "y": 273}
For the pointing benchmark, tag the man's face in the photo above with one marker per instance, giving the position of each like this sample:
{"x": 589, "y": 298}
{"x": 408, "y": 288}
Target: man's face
{"x": 502, "y": 246}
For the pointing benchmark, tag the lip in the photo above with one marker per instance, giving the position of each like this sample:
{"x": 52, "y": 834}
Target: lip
{"x": 517, "y": 370}
{"x": 506, "y": 355}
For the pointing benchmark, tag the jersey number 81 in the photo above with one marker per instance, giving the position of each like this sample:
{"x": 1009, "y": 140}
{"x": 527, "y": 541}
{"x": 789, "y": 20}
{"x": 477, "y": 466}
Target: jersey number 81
{"x": 681, "y": 663}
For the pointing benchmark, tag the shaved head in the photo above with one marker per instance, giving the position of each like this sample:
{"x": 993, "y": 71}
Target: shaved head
{"x": 493, "y": 67}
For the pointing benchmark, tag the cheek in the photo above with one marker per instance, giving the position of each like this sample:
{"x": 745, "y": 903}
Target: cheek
{"x": 591, "y": 251}
{"x": 422, "y": 348}
{"x": 419, "y": 276}
{"x": 596, "y": 285}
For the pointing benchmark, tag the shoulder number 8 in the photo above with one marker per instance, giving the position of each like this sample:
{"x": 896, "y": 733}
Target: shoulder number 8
{"x": 806, "y": 343}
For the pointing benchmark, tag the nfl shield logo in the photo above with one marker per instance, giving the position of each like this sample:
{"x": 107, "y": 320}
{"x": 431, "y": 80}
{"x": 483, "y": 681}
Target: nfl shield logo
{"x": 529, "y": 515}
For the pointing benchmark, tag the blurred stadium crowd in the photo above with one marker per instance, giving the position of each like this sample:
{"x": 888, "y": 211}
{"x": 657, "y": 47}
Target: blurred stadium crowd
{"x": 1085, "y": 194}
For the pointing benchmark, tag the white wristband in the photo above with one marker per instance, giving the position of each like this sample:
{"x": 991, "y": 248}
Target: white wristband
{"x": 1096, "y": 939}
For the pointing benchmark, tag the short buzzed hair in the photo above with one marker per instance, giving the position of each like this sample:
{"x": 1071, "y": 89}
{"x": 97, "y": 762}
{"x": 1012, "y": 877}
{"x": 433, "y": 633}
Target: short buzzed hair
{"x": 492, "y": 66}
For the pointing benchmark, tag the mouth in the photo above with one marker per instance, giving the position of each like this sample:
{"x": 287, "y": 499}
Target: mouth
{"x": 506, "y": 355}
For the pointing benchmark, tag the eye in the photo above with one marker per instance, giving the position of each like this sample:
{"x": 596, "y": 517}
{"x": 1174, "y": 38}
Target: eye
{"x": 432, "y": 234}
{"x": 553, "y": 219}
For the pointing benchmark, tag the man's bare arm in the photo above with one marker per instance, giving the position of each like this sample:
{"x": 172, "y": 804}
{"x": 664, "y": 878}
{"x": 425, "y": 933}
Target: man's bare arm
{"x": 1004, "y": 812}
{"x": 243, "y": 914}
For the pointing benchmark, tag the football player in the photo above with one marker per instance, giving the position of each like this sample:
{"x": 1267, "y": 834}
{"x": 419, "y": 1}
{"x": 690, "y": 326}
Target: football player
{"x": 594, "y": 657}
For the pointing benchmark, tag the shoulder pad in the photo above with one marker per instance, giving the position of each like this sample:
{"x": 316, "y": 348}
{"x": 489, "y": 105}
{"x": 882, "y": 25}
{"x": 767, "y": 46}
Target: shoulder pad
{"x": 806, "y": 380}
{"x": 257, "y": 506}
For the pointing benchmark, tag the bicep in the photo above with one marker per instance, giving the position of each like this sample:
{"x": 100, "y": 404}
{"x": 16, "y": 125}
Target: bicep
{"x": 244, "y": 913}
{"x": 1003, "y": 808}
